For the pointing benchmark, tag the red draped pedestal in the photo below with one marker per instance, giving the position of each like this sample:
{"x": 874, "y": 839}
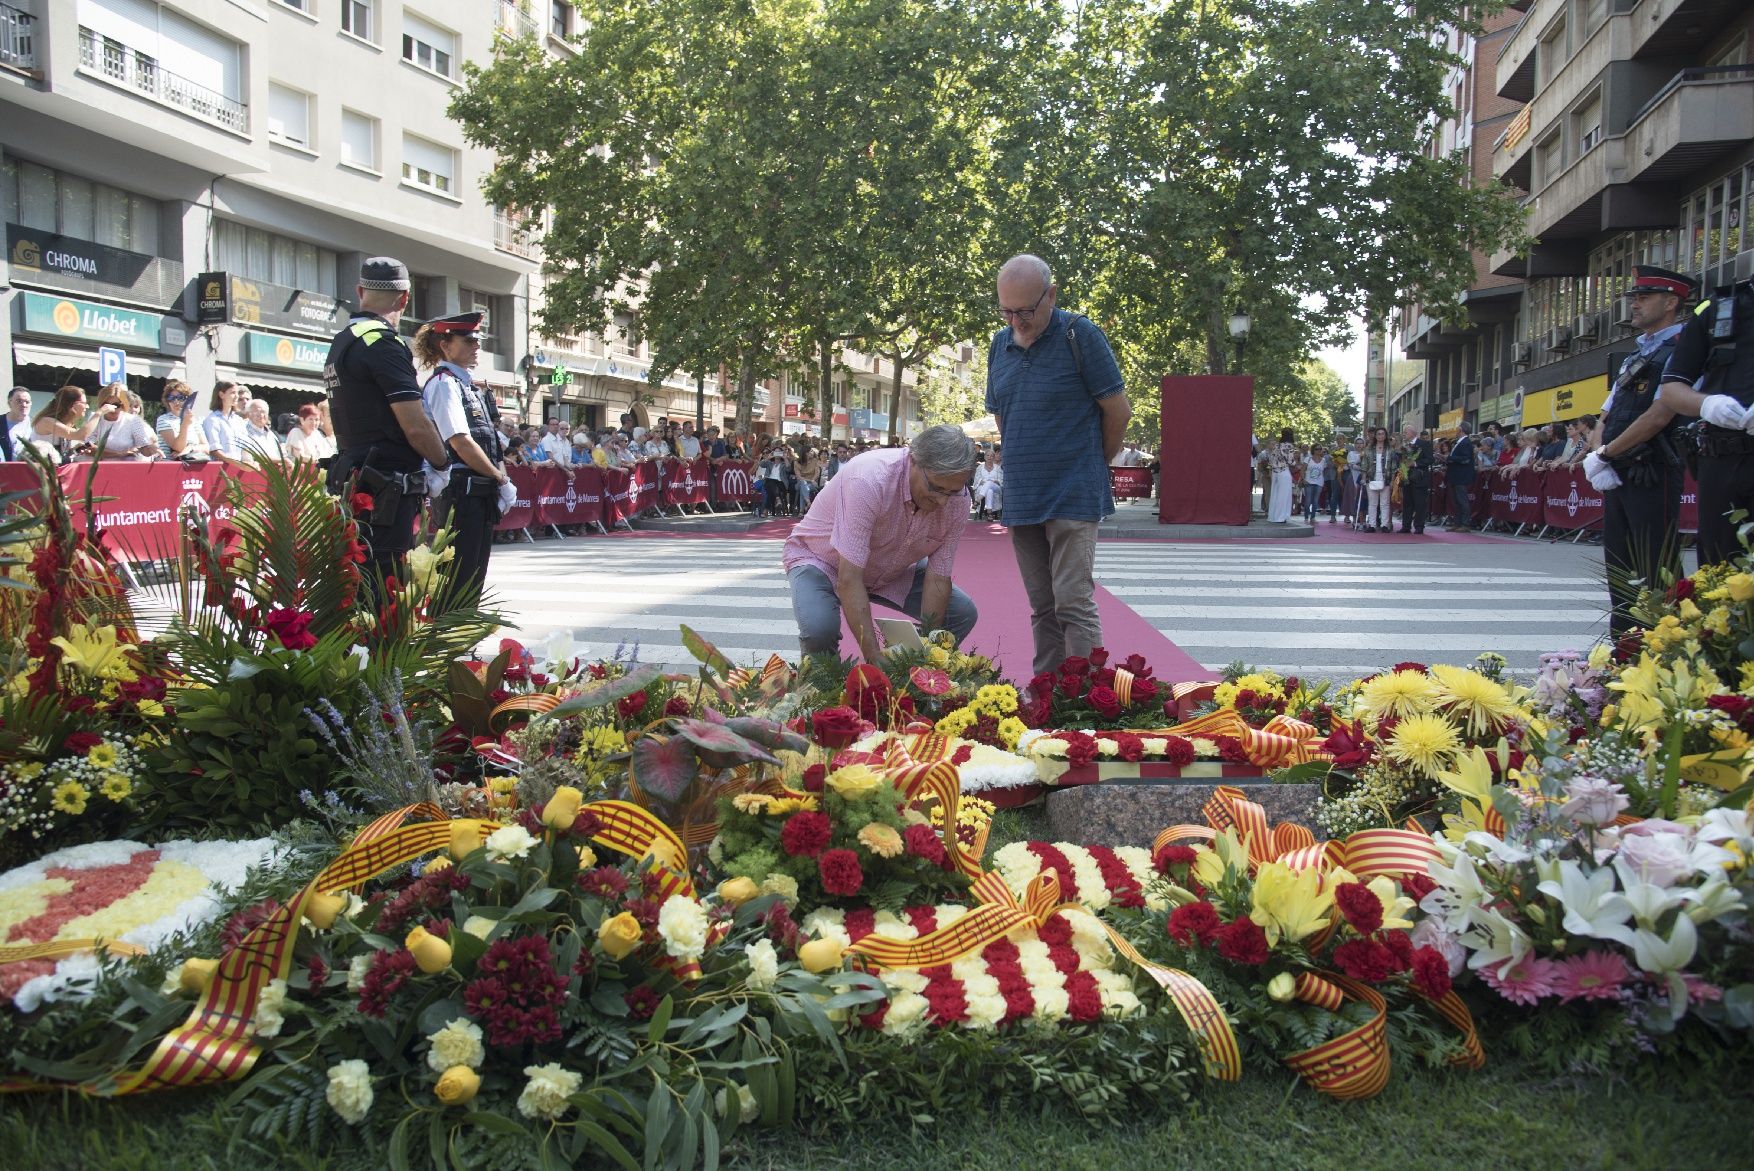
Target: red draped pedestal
{"x": 1204, "y": 474}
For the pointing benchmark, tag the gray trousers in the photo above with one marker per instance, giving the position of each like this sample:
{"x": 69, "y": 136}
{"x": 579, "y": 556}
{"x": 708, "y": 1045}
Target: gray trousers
{"x": 817, "y": 608}
{"x": 1058, "y": 562}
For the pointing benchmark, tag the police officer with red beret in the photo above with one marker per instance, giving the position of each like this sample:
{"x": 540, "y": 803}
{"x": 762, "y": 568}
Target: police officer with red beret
{"x": 472, "y": 492}
{"x": 381, "y": 430}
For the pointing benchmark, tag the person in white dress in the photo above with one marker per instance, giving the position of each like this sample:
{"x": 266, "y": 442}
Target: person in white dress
{"x": 988, "y": 488}
{"x": 307, "y": 441}
{"x": 1278, "y": 458}
{"x": 1377, "y": 467}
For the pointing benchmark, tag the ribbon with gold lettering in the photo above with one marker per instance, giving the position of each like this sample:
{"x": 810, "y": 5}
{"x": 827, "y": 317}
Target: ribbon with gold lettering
{"x": 999, "y": 912}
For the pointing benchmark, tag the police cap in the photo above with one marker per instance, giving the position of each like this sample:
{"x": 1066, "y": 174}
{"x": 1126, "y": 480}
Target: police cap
{"x": 384, "y": 272}
{"x": 1647, "y": 278}
{"x": 461, "y": 325}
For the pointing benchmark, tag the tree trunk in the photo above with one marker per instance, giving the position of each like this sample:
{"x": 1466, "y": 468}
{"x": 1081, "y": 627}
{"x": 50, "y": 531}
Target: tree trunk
{"x": 895, "y": 397}
{"x": 1217, "y": 332}
{"x": 745, "y": 392}
{"x": 827, "y": 391}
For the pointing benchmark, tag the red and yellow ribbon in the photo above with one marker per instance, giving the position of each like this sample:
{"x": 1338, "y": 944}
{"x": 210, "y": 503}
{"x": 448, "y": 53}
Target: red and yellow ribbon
{"x": 999, "y": 912}
{"x": 1366, "y": 854}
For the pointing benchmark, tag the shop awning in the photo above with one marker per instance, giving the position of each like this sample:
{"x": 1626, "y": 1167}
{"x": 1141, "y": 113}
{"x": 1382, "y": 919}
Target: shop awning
{"x": 60, "y": 358}
{"x": 271, "y": 379}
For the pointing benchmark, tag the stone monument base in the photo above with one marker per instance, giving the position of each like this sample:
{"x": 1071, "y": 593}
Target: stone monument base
{"x": 1134, "y": 812}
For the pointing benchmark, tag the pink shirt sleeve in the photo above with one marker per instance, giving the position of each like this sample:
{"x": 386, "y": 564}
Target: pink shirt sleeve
{"x": 940, "y": 562}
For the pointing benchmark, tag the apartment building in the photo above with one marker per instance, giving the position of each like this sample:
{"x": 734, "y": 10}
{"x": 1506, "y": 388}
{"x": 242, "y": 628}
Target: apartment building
{"x": 195, "y": 182}
{"x": 1634, "y": 144}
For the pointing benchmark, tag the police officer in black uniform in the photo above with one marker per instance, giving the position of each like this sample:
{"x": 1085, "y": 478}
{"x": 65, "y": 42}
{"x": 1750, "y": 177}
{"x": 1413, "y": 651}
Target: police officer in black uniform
{"x": 381, "y": 430}
{"x": 1711, "y": 374}
{"x": 467, "y": 419}
{"x": 1635, "y": 459}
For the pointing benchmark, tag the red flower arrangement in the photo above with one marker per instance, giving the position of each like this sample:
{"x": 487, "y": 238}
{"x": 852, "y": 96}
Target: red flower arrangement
{"x": 1242, "y": 941}
{"x": 840, "y": 870}
{"x": 923, "y": 842}
{"x": 1366, "y": 960}
{"x": 291, "y": 627}
{"x": 1194, "y": 924}
{"x": 1361, "y": 907}
{"x": 806, "y": 834}
{"x": 835, "y": 727}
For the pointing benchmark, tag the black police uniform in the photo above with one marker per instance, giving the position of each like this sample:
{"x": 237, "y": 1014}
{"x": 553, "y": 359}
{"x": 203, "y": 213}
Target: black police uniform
{"x": 1640, "y": 517}
{"x": 470, "y": 501}
{"x": 1717, "y": 345}
{"x": 369, "y": 368}
{"x": 1416, "y": 486}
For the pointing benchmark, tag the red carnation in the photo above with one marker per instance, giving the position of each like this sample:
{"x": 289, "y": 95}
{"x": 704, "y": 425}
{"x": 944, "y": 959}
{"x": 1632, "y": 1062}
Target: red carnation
{"x": 1364, "y": 959}
{"x": 813, "y": 778}
{"x": 1106, "y": 703}
{"x": 291, "y": 628}
{"x": 1400, "y": 946}
{"x": 1178, "y": 751}
{"x": 1363, "y": 910}
{"x": 80, "y": 743}
{"x": 835, "y": 727}
{"x": 1419, "y": 667}
{"x": 630, "y": 706}
{"x": 1171, "y": 856}
{"x": 1431, "y": 972}
{"x": 676, "y": 706}
{"x": 642, "y": 1001}
{"x": 1231, "y": 751}
{"x": 840, "y": 871}
{"x": 805, "y": 834}
{"x": 359, "y": 502}
{"x": 922, "y": 842}
{"x": 1129, "y": 747}
{"x": 1417, "y": 886}
{"x": 1242, "y": 941}
{"x": 1197, "y": 924}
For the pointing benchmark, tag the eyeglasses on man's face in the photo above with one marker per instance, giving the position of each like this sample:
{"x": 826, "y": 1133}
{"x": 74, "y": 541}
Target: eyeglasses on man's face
{"x": 1024, "y": 314}
{"x": 938, "y": 489}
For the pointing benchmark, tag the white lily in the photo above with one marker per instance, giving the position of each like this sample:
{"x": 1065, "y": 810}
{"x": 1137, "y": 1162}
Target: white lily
{"x": 1647, "y": 900}
{"x": 1496, "y": 848}
{"x": 560, "y": 648}
{"x": 1658, "y": 956}
{"x": 1721, "y": 825}
{"x": 1495, "y": 940}
{"x": 1715, "y": 899}
{"x": 1592, "y": 905}
{"x": 1459, "y": 895}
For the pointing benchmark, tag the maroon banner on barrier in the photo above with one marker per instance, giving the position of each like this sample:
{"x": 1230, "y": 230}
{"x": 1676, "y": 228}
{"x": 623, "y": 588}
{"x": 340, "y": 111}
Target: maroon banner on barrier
{"x": 646, "y": 486}
{"x": 560, "y": 502}
{"x": 522, "y": 513}
{"x": 1525, "y": 501}
{"x": 734, "y": 482}
{"x": 1689, "y": 522}
{"x": 685, "y": 483}
{"x": 617, "y": 496}
{"x": 1483, "y": 497}
{"x": 1569, "y": 501}
{"x": 145, "y": 502}
{"x": 1130, "y": 483}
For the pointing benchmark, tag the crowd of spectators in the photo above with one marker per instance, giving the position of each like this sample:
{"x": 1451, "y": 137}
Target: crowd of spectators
{"x": 1359, "y": 482}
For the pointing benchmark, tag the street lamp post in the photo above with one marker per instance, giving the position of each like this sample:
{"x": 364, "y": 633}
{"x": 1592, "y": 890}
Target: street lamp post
{"x": 1240, "y": 324}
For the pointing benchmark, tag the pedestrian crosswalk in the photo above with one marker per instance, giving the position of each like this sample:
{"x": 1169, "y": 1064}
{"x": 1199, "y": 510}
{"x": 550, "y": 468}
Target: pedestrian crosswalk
{"x": 1342, "y": 611}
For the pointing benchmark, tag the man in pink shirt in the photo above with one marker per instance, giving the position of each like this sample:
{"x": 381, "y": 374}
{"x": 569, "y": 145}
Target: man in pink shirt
{"x": 886, "y": 529}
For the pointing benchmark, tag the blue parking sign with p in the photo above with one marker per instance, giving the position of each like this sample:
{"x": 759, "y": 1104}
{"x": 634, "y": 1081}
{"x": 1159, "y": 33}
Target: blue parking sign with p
{"x": 112, "y": 365}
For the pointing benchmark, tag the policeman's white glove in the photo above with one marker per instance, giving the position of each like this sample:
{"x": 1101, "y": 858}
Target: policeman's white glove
{"x": 508, "y": 496}
{"x": 1596, "y": 470}
{"x": 1722, "y": 410}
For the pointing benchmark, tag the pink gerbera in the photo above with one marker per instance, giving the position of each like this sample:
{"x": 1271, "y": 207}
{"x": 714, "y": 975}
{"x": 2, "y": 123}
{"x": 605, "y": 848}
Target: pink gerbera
{"x": 1594, "y": 975}
{"x": 1523, "y": 982}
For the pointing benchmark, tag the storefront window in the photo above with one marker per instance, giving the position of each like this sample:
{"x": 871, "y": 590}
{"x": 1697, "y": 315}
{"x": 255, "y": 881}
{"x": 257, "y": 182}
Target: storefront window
{"x": 52, "y": 201}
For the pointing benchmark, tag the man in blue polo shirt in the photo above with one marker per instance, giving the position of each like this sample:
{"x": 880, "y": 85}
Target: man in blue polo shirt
{"x": 1055, "y": 390}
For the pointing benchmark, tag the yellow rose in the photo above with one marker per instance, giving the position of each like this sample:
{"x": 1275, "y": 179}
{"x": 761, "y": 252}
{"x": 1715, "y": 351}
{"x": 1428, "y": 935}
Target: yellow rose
{"x": 1282, "y": 987}
{"x": 321, "y": 909}
{"x": 621, "y": 936}
{"x": 457, "y": 1085}
{"x": 820, "y": 955}
{"x": 1740, "y": 586}
{"x": 195, "y": 975}
{"x": 465, "y": 837}
{"x": 436, "y": 863}
{"x": 854, "y": 781}
{"x": 431, "y": 954}
{"x": 738, "y": 891}
{"x": 562, "y": 809}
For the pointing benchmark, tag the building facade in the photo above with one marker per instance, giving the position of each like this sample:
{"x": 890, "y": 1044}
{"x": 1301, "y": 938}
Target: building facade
{"x": 1632, "y": 142}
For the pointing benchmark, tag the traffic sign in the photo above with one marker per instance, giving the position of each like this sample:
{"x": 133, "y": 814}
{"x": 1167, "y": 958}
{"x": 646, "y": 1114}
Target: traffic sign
{"x": 560, "y": 377}
{"x": 112, "y": 365}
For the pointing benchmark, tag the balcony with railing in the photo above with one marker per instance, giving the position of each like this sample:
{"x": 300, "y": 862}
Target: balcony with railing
{"x": 515, "y": 21}
{"x": 517, "y": 235}
{"x": 133, "y": 70}
{"x": 18, "y": 39}
{"x": 1699, "y": 114}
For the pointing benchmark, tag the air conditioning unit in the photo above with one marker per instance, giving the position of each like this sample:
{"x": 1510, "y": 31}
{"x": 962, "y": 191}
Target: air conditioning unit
{"x": 1559, "y": 339}
{"x": 1623, "y": 313}
{"x": 1584, "y": 328}
{"x": 1522, "y": 354}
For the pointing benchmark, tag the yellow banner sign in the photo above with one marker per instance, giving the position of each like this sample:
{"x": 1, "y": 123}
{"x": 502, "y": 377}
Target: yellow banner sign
{"x": 1561, "y": 404}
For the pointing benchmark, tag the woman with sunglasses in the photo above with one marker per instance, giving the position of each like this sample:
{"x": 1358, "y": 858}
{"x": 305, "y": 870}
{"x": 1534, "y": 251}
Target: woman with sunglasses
{"x": 123, "y": 434}
{"x": 177, "y": 432}
{"x": 57, "y": 432}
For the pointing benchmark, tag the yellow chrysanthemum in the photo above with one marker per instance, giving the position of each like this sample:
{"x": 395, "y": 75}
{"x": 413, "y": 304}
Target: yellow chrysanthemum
{"x": 115, "y": 786}
{"x": 30, "y": 770}
{"x": 1472, "y": 698}
{"x": 102, "y": 756}
{"x": 70, "y": 797}
{"x": 1426, "y": 742}
{"x": 1010, "y": 728}
{"x": 1399, "y": 694}
{"x": 754, "y": 803}
{"x": 881, "y": 840}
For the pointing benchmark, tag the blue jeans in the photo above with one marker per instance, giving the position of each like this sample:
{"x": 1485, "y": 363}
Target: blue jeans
{"x": 817, "y": 608}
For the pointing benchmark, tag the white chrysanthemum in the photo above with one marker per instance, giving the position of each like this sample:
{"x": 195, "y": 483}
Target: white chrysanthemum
{"x": 356, "y": 970}
{"x": 545, "y": 1094}
{"x": 350, "y": 1089}
{"x": 905, "y": 980}
{"x": 946, "y": 915}
{"x": 1051, "y": 1002}
{"x": 783, "y": 885}
{"x": 985, "y": 1011}
{"x": 458, "y": 1043}
{"x": 906, "y": 1016}
{"x": 268, "y": 1019}
{"x": 508, "y": 842}
{"x": 682, "y": 925}
{"x": 764, "y": 965}
{"x": 827, "y": 923}
{"x": 1017, "y": 865}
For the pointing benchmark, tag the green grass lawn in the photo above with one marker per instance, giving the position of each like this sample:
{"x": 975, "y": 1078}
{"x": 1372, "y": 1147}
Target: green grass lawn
{"x": 1503, "y": 1118}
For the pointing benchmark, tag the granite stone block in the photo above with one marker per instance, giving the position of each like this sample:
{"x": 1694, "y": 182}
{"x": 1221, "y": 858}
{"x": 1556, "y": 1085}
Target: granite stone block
{"x": 1132, "y": 813}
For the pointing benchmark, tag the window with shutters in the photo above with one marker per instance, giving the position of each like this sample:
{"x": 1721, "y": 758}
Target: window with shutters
{"x": 427, "y": 46}
{"x": 267, "y": 256}
{"x": 359, "y": 141}
{"x": 358, "y": 19}
{"x": 1588, "y": 121}
{"x": 289, "y": 115}
{"x": 428, "y": 165}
